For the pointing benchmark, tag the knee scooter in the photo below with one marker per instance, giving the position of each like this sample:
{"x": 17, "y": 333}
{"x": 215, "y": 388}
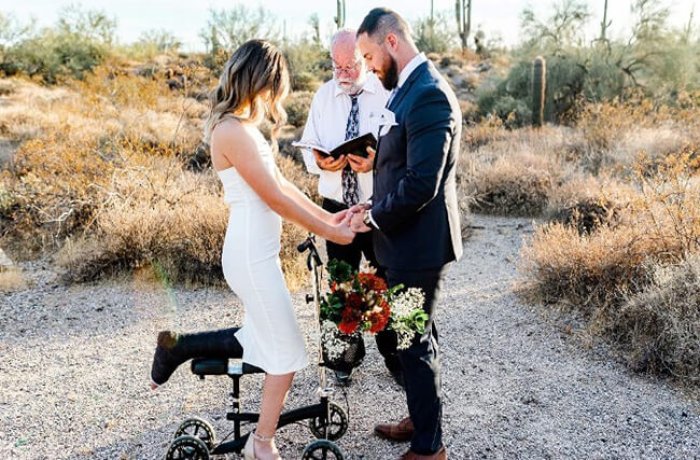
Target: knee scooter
{"x": 195, "y": 438}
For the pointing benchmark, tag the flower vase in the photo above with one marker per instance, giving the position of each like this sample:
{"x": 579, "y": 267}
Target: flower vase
{"x": 351, "y": 356}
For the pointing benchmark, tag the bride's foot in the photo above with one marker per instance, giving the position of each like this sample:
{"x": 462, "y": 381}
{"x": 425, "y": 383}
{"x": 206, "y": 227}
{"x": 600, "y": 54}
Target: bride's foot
{"x": 259, "y": 447}
{"x": 165, "y": 359}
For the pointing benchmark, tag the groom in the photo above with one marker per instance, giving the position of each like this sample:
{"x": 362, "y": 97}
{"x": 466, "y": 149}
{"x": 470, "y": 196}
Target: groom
{"x": 414, "y": 210}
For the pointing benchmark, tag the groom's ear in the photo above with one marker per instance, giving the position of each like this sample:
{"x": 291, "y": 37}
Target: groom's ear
{"x": 392, "y": 41}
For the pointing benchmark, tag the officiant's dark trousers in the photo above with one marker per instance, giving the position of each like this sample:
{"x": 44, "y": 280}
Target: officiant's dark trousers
{"x": 421, "y": 364}
{"x": 352, "y": 254}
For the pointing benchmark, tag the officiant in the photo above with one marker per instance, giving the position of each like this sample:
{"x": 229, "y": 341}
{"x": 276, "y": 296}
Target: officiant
{"x": 343, "y": 108}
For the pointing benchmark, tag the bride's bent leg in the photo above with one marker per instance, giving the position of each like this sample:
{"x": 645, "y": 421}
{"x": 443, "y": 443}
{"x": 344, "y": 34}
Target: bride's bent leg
{"x": 174, "y": 349}
{"x": 275, "y": 391}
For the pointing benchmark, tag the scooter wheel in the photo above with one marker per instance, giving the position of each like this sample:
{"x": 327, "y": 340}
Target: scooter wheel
{"x": 187, "y": 448}
{"x": 337, "y": 423}
{"x": 322, "y": 449}
{"x": 197, "y": 428}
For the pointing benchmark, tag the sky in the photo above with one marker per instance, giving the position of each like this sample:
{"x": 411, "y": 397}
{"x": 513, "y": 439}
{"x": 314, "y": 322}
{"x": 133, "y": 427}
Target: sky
{"x": 186, "y": 18}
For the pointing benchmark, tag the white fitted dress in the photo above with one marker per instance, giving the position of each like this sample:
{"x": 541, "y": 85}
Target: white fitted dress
{"x": 270, "y": 334}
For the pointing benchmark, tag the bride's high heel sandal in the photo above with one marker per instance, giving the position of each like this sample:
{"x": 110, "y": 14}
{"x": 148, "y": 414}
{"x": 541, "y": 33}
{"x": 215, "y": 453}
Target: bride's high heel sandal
{"x": 249, "y": 449}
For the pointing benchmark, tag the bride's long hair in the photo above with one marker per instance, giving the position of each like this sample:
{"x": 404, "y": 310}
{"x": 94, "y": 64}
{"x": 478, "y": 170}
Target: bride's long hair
{"x": 253, "y": 84}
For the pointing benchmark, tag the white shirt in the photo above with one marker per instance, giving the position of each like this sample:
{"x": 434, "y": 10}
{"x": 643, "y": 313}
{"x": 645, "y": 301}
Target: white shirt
{"x": 325, "y": 126}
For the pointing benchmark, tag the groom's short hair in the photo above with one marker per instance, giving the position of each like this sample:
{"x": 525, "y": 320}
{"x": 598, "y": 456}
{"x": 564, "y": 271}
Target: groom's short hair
{"x": 381, "y": 21}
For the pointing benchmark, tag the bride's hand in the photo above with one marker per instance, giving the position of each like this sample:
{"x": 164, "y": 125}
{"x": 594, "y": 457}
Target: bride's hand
{"x": 342, "y": 233}
{"x": 339, "y": 217}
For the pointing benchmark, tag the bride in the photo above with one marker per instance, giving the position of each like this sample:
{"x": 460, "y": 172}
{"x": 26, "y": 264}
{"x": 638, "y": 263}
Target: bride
{"x": 254, "y": 82}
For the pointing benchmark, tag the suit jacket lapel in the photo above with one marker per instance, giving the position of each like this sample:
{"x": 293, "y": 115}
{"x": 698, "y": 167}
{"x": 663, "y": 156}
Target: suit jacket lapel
{"x": 401, "y": 93}
{"x": 398, "y": 97}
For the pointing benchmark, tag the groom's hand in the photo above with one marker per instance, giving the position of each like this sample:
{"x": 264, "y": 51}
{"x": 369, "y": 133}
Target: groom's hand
{"x": 356, "y": 223}
{"x": 360, "y": 207}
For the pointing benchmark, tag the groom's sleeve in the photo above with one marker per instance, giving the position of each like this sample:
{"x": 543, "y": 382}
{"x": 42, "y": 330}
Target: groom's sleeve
{"x": 430, "y": 127}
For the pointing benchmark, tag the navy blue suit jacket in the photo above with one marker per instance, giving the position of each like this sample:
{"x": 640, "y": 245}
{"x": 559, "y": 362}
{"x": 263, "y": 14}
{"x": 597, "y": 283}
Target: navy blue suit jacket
{"x": 414, "y": 202}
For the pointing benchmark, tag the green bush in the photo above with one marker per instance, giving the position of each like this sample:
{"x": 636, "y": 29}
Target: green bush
{"x": 309, "y": 64}
{"x": 52, "y": 56}
{"x": 434, "y": 35}
{"x": 297, "y": 107}
{"x": 80, "y": 41}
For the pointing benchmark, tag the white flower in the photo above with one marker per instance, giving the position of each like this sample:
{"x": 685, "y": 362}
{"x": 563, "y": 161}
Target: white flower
{"x": 366, "y": 267}
{"x": 330, "y": 340}
{"x": 407, "y": 301}
{"x": 404, "y": 335}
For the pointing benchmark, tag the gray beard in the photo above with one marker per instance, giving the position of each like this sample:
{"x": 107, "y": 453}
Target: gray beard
{"x": 351, "y": 89}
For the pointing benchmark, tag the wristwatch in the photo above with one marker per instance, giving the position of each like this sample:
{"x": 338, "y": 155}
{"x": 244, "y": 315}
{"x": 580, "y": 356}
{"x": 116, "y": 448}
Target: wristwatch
{"x": 366, "y": 219}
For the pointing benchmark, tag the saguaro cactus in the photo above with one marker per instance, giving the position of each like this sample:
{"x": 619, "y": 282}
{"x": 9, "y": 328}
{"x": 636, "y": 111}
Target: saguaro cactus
{"x": 463, "y": 14}
{"x": 539, "y": 84}
{"x": 604, "y": 23}
{"x": 340, "y": 17}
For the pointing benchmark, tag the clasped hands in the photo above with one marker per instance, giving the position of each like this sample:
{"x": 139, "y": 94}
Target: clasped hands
{"x": 353, "y": 218}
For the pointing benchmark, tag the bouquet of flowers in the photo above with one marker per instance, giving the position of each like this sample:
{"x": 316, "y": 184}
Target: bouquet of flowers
{"x": 362, "y": 302}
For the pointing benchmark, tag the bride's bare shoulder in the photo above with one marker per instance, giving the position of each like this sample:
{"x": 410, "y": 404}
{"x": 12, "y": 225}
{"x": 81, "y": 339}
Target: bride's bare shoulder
{"x": 229, "y": 127}
{"x": 230, "y": 134}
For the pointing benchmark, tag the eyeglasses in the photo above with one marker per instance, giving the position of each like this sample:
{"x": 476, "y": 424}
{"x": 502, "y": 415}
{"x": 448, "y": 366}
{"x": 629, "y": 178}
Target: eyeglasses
{"x": 339, "y": 69}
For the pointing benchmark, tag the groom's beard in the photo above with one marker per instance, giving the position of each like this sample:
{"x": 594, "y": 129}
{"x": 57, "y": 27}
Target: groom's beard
{"x": 390, "y": 75}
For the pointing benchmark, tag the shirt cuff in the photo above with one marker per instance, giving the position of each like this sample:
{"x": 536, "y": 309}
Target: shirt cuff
{"x": 371, "y": 219}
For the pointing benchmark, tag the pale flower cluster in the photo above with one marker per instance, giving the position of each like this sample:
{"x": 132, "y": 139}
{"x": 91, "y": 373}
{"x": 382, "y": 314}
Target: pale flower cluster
{"x": 401, "y": 307}
{"x": 404, "y": 335}
{"x": 330, "y": 337}
{"x": 404, "y": 303}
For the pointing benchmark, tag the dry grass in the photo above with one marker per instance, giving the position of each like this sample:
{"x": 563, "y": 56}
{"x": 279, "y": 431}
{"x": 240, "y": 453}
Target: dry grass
{"x": 98, "y": 177}
{"x": 596, "y": 271}
{"x": 659, "y": 327}
{"x": 513, "y": 173}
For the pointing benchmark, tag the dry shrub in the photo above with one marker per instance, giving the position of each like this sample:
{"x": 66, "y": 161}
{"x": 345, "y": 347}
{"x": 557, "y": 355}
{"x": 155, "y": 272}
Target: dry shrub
{"x": 616, "y": 134}
{"x": 484, "y": 133}
{"x": 54, "y": 191}
{"x": 101, "y": 176}
{"x": 152, "y": 212}
{"x": 659, "y": 328}
{"x": 588, "y": 202}
{"x": 510, "y": 188}
{"x": 464, "y": 195}
{"x": 157, "y": 215}
{"x": 596, "y": 272}
{"x": 516, "y": 172}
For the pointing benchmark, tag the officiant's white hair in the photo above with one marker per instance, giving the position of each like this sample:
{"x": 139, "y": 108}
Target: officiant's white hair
{"x": 342, "y": 35}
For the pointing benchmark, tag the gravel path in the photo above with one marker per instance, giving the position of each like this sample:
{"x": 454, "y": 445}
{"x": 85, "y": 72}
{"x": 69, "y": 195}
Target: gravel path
{"x": 75, "y": 360}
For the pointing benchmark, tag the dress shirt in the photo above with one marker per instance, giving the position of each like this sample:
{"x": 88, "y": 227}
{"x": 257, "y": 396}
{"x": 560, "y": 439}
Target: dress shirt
{"x": 412, "y": 65}
{"x": 325, "y": 126}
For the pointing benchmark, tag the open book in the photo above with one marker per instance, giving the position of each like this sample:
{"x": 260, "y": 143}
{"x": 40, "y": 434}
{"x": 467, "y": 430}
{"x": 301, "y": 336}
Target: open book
{"x": 356, "y": 146}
